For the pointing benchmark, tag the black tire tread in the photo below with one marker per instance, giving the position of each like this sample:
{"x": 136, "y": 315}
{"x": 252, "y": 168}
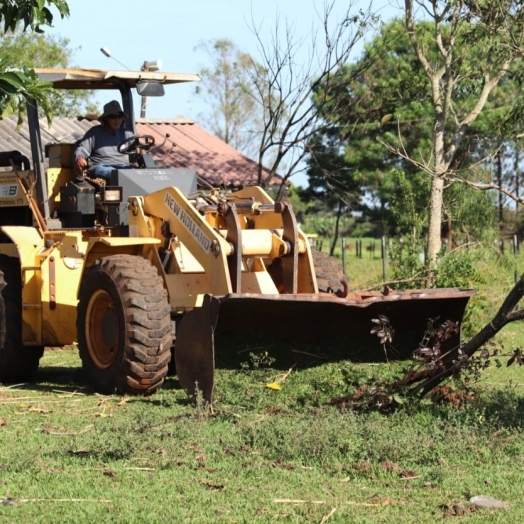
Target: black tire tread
{"x": 329, "y": 273}
{"x": 147, "y": 320}
{"x": 18, "y": 363}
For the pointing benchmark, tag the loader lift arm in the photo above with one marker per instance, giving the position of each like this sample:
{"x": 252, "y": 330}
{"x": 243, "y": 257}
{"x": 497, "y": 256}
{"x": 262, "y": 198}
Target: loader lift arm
{"x": 232, "y": 240}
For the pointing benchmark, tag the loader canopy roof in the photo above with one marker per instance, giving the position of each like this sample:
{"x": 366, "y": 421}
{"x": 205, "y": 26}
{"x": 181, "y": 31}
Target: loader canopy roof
{"x": 107, "y": 79}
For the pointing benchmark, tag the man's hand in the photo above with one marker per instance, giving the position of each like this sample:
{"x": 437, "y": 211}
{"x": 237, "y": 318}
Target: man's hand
{"x": 81, "y": 163}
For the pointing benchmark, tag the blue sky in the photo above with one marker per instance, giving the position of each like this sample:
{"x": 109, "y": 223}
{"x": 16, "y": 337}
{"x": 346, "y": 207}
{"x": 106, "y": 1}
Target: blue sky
{"x": 136, "y": 31}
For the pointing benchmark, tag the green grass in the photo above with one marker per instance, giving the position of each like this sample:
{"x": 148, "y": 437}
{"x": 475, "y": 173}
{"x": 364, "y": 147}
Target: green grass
{"x": 265, "y": 455}
{"x": 69, "y": 455}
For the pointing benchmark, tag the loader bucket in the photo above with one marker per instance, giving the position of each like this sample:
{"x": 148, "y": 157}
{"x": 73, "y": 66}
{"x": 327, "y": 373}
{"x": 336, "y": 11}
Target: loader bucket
{"x": 311, "y": 318}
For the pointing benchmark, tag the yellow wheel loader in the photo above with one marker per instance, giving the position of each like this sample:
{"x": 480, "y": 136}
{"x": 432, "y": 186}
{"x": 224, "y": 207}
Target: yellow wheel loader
{"x": 148, "y": 266}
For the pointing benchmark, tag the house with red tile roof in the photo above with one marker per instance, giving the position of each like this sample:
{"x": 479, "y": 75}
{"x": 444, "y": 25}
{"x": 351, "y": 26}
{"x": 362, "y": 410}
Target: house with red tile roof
{"x": 180, "y": 143}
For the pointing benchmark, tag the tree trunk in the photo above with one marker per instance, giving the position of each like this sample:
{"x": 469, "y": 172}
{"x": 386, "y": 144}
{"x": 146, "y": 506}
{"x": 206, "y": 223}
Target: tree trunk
{"x": 517, "y": 187}
{"x": 449, "y": 235}
{"x": 500, "y": 199}
{"x": 337, "y": 228}
{"x": 435, "y": 219}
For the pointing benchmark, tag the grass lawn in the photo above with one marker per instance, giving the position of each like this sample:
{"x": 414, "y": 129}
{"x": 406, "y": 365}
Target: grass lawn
{"x": 293, "y": 454}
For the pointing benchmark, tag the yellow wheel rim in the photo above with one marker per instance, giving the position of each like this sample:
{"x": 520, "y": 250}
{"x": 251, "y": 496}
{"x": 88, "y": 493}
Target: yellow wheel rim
{"x": 102, "y": 329}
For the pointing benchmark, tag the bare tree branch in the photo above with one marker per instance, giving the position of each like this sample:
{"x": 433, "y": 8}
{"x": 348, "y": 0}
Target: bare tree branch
{"x": 286, "y": 89}
{"x": 507, "y": 313}
{"x": 488, "y": 186}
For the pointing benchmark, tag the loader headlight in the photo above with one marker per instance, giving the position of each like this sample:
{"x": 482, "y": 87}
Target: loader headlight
{"x": 111, "y": 195}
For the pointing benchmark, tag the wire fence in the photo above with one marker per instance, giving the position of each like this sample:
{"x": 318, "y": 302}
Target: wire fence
{"x": 378, "y": 249}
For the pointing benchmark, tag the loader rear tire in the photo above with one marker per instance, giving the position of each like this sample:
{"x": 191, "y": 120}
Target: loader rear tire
{"x": 124, "y": 326}
{"x": 329, "y": 273}
{"x": 17, "y": 362}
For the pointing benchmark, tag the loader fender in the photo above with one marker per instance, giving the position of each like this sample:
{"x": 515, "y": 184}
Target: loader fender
{"x": 98, "y": 247}
{"x": 25, "y": 240}
{"x": 122, "y": 241}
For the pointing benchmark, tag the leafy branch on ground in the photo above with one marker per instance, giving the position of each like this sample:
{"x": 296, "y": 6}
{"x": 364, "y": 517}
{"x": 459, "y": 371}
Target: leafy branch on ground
{"x": 434, "y": 375}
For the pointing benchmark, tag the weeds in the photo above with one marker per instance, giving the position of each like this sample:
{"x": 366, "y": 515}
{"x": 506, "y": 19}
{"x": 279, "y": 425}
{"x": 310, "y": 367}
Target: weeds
{"x": 203, "y": 408}
{"x": 258, "y": 360}
{"x": 384, "y": 331}
{"x": 459, "y": 371}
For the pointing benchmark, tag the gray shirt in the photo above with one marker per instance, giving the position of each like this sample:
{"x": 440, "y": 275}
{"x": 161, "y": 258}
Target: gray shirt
{"x": 99, "y": 145}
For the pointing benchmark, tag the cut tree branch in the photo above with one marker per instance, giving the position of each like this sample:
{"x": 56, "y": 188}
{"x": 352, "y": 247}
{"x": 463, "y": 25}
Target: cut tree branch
{"x": 506, "y": 314}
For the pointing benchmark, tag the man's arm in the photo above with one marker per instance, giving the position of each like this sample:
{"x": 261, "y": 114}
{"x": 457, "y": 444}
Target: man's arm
{"x": 83, "y": 150}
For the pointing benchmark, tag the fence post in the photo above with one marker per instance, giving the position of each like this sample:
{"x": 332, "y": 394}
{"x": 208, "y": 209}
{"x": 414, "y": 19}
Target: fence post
{"x": 344, "y": 256}
{"x": 384, "y": 277}
{"x": 515, "y": 254}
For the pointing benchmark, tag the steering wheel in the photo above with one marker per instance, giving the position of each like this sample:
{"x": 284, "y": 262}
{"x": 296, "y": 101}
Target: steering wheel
{"x": 144, "y": 142}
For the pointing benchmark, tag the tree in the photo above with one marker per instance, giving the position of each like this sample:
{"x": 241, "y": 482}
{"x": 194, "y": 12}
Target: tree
{"x": 234, "y": 114}
{"x": 460, "y": 83}
{"x": 364, "y": 98}
{"x": 330, "y": 187}
{"x": 17, "y": 87}
{"x": 286, "y": 89}
{"x": 383, "y": 98}
{"x": 29, "y": 50}
{"x": 268, "y": 102}
{"x": 32, "y": 13}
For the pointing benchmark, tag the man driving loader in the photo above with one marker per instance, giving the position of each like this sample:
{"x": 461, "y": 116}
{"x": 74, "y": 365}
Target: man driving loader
{"x": 98, "y": 149}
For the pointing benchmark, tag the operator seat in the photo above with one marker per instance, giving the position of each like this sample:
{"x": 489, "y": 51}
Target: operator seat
{"x": 19, "y": 160}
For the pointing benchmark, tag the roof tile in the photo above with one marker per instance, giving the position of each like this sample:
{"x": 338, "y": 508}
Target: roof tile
{"x": 181, "y": 143}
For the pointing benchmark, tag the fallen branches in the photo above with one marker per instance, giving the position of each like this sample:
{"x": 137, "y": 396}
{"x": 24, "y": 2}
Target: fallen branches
{"x": 507, "y": 313}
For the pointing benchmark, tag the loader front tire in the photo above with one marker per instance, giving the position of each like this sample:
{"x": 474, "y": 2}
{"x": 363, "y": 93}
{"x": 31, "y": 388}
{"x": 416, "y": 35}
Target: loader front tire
{"x": 17, "y": 362}
{"x": 124, "y": 326}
